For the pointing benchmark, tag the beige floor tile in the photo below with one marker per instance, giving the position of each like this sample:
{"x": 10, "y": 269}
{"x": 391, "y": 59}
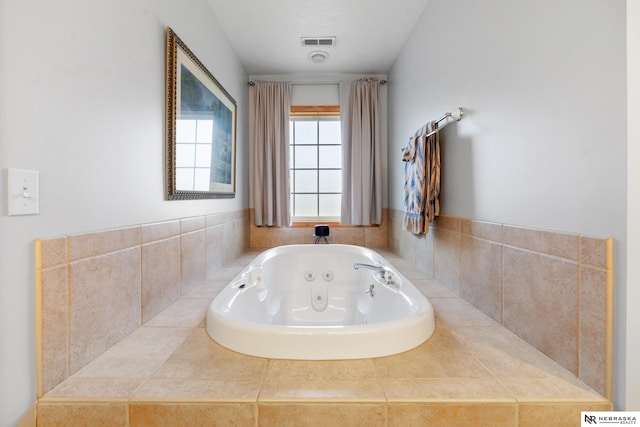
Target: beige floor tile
{"x": 184, "y": 313}
{"x": 550, "y": 389}
{"x": 458, "y": 312}
{"x": 453, "y": 414}
{"x": 556, "y": 414}
{"x": 321, "y": 415}
{"x": 505, "y": 354}
{"x": 424, "y": 390}
{"x": 433, "y": 289}
{"x": 207, "y": 290}
{"x": 200, "y": 357}
{"x": 192, "y": 414}
{"x": 321, "y": 369}
{"x": 441, "y": 356}
{"x": 94, "y": 388}
{"x": 110, "y": 414}
{"x": 137, "y": 356}
{"x": 304, "y": 390}
{"x": 198, "y": 390}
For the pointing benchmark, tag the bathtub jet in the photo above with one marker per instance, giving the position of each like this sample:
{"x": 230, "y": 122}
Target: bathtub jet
{"x": 313, "y": 302}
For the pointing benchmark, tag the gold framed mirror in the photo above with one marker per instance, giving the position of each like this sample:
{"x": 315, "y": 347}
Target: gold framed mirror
{"x": 200, "y": 128}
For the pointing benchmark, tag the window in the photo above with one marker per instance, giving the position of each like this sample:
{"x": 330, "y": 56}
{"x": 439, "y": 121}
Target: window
{"x": 315, "y": 167}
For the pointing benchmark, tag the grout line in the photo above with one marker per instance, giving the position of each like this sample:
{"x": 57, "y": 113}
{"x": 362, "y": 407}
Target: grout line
{"x": 543, "y": 254}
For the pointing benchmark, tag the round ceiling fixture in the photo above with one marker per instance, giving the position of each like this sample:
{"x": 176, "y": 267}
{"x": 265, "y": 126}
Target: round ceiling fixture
{"x": 318, "y": 56}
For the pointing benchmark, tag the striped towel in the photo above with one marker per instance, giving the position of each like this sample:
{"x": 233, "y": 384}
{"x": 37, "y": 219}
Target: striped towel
{"x": 421, "y": 180}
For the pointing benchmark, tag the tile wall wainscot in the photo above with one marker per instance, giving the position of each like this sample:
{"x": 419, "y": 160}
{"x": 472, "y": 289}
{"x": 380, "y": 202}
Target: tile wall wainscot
{"x": 471, "y": 372}
{"x": 94, "y": 289}
{"x": 369, "y": 236}
{"x": 553, "y": 289}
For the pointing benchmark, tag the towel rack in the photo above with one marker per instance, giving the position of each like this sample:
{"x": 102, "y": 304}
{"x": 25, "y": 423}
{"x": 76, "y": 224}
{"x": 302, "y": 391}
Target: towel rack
{"x": 455, "y": 114}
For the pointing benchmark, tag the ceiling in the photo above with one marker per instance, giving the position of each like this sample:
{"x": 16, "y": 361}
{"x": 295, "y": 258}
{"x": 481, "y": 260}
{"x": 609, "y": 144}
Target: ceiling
{"x": 266, "y": 34}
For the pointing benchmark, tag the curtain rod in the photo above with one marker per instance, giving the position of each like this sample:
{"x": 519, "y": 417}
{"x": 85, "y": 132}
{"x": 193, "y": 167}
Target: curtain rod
{"x": 252, "y": 82}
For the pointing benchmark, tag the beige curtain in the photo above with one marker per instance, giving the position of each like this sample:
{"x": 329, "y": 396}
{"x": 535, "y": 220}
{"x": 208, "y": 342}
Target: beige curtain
{"x": 269, "y": 105}
{"x": 362, "y": 154}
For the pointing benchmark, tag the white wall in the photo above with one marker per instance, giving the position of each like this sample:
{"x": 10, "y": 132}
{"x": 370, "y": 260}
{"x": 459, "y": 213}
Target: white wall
{"x": 83, "y": 102}
{"x": 633, "y": 215}
{"x": 315, "y": 94}
{"x": 543, "y": 142}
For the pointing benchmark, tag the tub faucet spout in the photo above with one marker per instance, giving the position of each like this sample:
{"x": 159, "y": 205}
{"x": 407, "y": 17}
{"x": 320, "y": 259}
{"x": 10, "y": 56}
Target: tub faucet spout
{"x": 377, "y": 268}
{"x": 383, "y": 272}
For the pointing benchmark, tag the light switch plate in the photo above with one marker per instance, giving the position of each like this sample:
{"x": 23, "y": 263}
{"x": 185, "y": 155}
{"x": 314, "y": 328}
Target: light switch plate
{"x": 22, "y": 192}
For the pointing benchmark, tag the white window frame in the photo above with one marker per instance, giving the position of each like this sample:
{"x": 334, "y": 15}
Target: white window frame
{"x": 314, "y": 118}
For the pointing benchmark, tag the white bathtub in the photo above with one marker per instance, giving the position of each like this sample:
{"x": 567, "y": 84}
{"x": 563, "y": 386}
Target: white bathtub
{"x": 309, "y": 302}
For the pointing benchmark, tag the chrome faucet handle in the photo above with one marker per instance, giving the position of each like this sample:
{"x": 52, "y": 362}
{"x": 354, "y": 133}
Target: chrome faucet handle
{"x": 388, "y": 277}
{"x": 371, "y": 291}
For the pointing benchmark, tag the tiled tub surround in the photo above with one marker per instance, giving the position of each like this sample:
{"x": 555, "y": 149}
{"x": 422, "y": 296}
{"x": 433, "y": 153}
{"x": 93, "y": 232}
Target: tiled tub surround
{"x": 368, "y": 236}
{"x": 94, "y": 289}
{"x": 473, "y": 371}
{"x": 553, "y": 289}
{"x": 162, "y": 367}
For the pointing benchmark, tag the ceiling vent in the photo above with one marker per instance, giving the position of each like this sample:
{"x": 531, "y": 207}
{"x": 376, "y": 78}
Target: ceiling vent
{"x": 318, "y": 41}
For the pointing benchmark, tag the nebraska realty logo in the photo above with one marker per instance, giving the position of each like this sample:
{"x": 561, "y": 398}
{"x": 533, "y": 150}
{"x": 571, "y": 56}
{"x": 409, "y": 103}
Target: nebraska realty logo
{"x": 608, "y": 418}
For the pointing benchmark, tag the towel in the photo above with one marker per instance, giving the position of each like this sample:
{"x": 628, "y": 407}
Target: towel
{"x": 421, "y": 180}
